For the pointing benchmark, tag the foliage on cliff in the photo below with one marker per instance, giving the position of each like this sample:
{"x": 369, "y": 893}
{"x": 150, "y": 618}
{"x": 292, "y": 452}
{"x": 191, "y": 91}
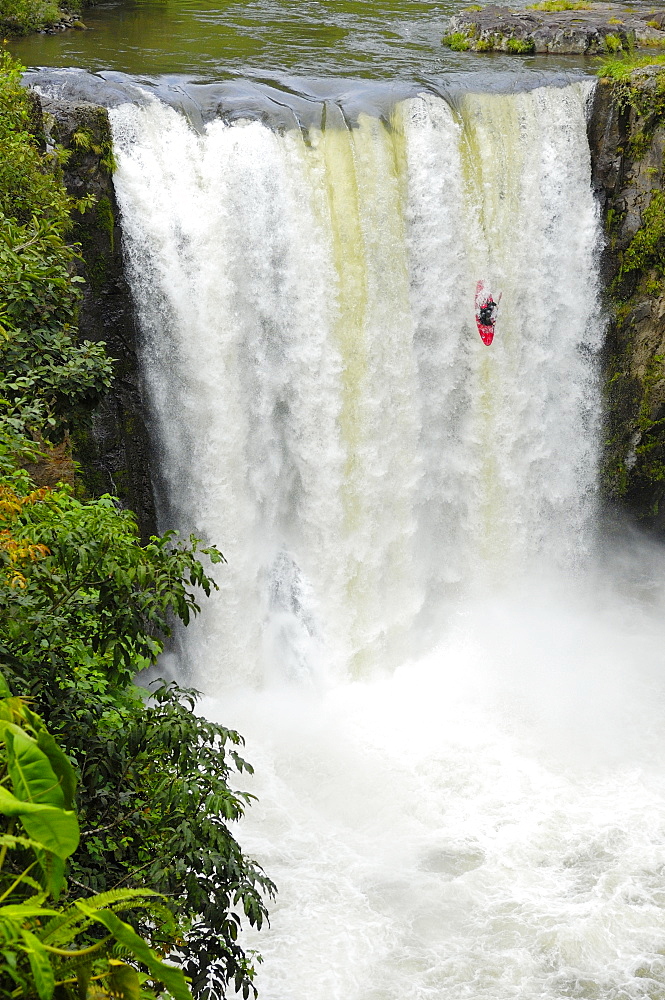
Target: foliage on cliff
{"x": 634, "y": 466}
{"x": 84, "y": 606}
{"x": 44, "y": 371}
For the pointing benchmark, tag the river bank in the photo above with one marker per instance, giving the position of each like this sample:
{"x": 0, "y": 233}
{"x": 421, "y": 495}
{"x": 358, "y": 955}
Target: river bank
{"x": 24, "y": 17}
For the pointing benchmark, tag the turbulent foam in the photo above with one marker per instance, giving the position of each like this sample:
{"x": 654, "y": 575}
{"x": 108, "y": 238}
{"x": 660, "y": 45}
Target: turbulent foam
{"x": 486, "y": 823}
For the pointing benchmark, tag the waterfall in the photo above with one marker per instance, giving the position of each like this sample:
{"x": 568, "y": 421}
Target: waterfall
{"x": 455, "y": 717}
{"x": 325, "y": 409}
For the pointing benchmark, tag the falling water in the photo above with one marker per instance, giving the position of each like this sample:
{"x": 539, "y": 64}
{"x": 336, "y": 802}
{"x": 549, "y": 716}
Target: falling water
{"x": 454, "y": 761}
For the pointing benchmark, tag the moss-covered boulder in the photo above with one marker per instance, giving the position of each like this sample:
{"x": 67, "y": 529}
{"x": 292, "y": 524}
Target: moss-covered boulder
{"x": 556, "y": 26}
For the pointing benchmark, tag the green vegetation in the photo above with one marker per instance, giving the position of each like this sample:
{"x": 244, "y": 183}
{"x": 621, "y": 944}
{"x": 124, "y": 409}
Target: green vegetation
{"x": 46, "y": 946}
{"x": 635, "y": 450}
{"x": 520, "y": 45}
{"x": 556, "y": 6}
{"x": 648, "y": 103}
{"x": 620, "y": 69}
{"x": 84, "y": 606}
{"x": 457, "y": 41}
{"x": 612, "y": 43}
{"x": 23, "y": 16}
{"x": 646, "y": 251}
{"x": 461, "y": 41}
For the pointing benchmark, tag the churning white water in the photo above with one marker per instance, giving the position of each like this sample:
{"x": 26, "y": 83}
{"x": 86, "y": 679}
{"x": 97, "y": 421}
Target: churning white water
{"x": 455, "y": 719}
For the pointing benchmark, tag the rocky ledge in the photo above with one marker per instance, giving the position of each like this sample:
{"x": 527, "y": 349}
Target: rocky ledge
{"x": 557, "y": 26}
{"x": 66, "y": 22}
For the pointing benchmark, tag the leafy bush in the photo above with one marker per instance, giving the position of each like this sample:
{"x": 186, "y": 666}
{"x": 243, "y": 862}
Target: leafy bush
{"x": 457, "y": 41}
{"x": 43, "y": 946}
{"x": 45, "y": 372}
{"x": 29, "y": 183}
{"x": 520, "y": 46}
{"x": 23, "y": 16}
{"x": 612, "y": 43}
{"x": 83, "y": 605}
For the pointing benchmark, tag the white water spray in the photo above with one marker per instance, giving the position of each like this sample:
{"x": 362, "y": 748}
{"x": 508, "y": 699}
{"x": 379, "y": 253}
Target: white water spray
{"x": 326, "y": 410}
{"x": 453, "y": 744}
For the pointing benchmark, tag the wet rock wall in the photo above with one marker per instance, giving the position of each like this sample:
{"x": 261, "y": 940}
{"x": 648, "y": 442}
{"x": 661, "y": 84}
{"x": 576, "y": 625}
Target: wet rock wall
{"x": 627, "y": 137}
{"x": 111, "y": 441}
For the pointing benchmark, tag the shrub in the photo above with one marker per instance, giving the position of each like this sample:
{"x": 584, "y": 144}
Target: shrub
{"x": 556, "y": 6}
{"x": 46, "y": 947}
{"x": 612, "y": 43}
{"x": 457, "y": 41}
{"x": 520, "y": 45}
{"x": 19, "y": 17}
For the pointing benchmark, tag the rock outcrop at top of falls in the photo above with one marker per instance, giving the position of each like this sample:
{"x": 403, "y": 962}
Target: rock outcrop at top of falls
{"x": 556, "y": 26}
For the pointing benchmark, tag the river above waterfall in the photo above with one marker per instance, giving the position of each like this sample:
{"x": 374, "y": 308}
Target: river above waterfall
{"x": 268, "y": 39}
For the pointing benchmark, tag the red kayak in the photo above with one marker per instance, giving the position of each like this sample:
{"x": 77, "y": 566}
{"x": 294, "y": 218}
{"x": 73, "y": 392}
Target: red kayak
{"x": 486, "y": 310}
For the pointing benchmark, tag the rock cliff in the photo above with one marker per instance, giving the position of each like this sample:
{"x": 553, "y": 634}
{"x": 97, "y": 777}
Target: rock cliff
{"x": 112, "y": 443}
{"x": 627, "y": 137}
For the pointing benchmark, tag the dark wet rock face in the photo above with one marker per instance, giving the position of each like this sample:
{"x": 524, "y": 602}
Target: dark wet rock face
{"x": 601, "y": 28}
{"x": 627, "y": 137}
{"x": 111, "y": 441}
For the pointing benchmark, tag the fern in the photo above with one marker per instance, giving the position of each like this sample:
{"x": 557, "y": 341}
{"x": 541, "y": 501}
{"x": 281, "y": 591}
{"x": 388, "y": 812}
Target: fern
{"x": 63, "y": 929}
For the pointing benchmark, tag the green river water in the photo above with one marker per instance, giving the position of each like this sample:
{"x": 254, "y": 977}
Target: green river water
{"x": 270, "y": 39}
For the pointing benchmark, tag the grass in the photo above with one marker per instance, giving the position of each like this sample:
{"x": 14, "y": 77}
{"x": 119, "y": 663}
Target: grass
{"x": 612, "y": 43}
{"x": 620, "y": 68}
{"x": 556, "y": 6}
{"x": 457, "y": 41}
{"x": 520, "y": 46}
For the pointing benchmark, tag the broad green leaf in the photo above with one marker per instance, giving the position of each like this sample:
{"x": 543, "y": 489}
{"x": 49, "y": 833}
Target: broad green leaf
{"x": 40, "y": 965}
{"x": 22, "y": 911}
{"x": 83, "y": 974}
{"x": 56, "y": 830}
{"x": 172, "y": 978}
{"x": 124, "y": 982}
{"x": 60, "y": 765}
{"x": 33, "y": 778}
